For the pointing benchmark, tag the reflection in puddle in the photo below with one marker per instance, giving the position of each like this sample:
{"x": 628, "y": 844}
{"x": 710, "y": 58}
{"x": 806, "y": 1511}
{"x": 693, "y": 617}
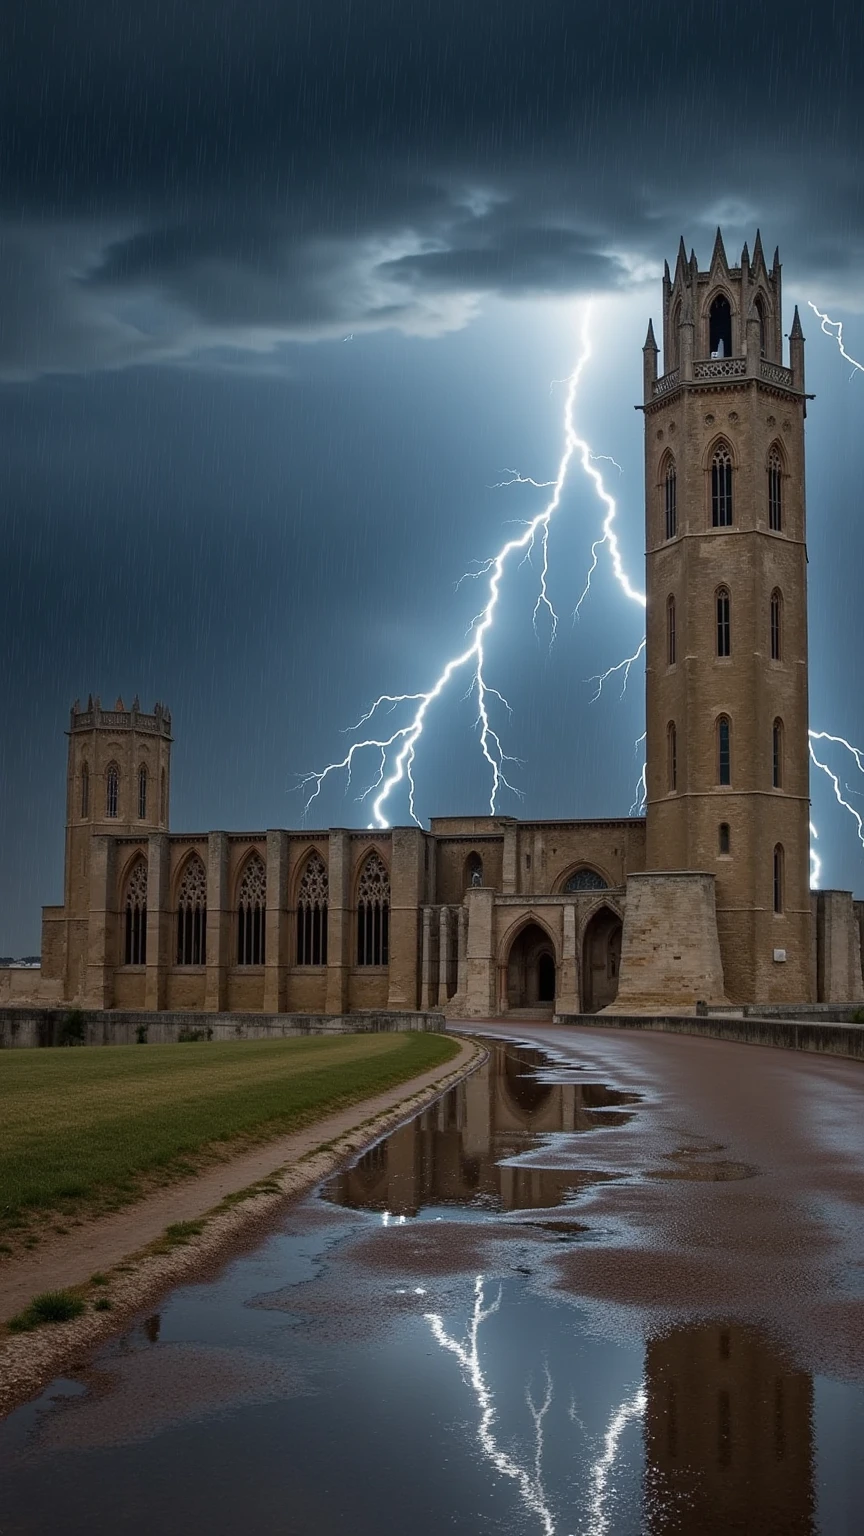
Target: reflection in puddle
{"x": 429, "y": 1373}
{"x": 461, "y": 1150}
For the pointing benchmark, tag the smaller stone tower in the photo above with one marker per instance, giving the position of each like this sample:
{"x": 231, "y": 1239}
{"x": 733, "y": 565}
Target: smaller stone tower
{"x": 118, "y": 783}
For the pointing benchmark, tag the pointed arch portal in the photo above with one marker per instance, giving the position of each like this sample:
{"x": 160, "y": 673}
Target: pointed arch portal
{"x": 601, "y": 960}
{"x": 531, "y": 969}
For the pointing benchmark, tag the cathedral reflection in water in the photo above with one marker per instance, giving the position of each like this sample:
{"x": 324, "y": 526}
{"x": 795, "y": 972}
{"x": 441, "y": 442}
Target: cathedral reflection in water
{"x": 453, "y": 1153}
{"x": 728, "y": 1423}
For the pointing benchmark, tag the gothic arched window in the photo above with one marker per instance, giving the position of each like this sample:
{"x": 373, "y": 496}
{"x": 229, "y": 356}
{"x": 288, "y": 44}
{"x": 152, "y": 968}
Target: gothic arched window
{"x": 135, "y": 907}
{"x": 85, "y": 790}
{"x": 724, "y": 750}
{"x": 312, "y": 899}
{"x": 473, "y": 869}
{"x": 163, "y": 801}
{"x": 724, "y": 622}
{"x": 775, "y": 491}
{"x": 586, "y": 880}
{"x": 724, "y": 839}
{"x": 776, "y": 624}
{"x": 759, "y": 306}
{"x": 373, "y": 913}
{"x": 779, "y": 878}
{"x": 720, "y": 327}
{"x": 671, "y": 500}
{"x": 251, "y": 912}
{"x": 671, "y": 756}
{"x": 671, "y": 637}
{"x": 112, "y": 789}
{"x": 142, "y": 793}
{"x": 192, "y": 914}
{"x": 721, "y": 487}
{"x": 777, "y": 754}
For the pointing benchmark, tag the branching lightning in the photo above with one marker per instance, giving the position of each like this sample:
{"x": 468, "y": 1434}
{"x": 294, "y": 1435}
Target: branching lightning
{"x": 834, "y": 329}
{"x": 396, "y": 750}
{"x": 528, "y": 1483}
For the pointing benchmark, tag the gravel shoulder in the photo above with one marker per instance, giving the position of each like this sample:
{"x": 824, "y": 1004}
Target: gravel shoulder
{"x": 139, "y": 1261}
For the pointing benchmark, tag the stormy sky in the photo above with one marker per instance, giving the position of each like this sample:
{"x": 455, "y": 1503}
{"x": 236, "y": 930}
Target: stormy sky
{"x": 283, "y": 291}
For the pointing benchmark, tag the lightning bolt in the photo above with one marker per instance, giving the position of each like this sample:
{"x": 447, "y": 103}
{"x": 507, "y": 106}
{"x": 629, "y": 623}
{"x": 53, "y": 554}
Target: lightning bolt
{"x": 834, "y": 329}
{"x": 395, "y": 750}
{"x": 528, "y": 1483}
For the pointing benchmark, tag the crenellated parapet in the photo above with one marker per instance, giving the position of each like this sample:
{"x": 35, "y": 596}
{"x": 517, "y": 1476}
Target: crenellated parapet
{"x": 94, "y": 717}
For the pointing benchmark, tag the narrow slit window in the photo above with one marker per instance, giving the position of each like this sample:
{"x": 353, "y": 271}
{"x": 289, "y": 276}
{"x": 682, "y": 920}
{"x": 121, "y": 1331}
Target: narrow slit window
{"x": 724, "y": 753}
{"x": 725, "y": 840}
{"x": 779, "y": 878}
{"x": 142, "y": 793}
{"x": 724, "y": 623}
{"x": 775, "y": 492}
{"x": 671, "y": 485}
{"x": 776, "y": 625}
{"x": 671, "y": 637}
{"x": 721, "y": 488}
{"x": 112, "y": 790}
{"x": 777, "y": 754}
{"x": 85, "y": 791}
{"x": 672, "y": 756}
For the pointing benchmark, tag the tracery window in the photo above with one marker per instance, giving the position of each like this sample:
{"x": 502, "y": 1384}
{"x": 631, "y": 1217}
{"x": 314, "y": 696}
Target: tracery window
{"x": 85, "y": 790}
{"x": 671, "y": 637}
{"x": 779, "y": 878}
{"x": 724, "y": 622}
{"x": 775, "y": 491}
{"x": 251, "y": 912}
{"x": 777, "y": 754}
{"x": 724, "y": 751}
{"x": 112, "y": 789}
{"x": 192, "y": 914}
{"x": 776, "y": 624}
{"x": 586, "y": 880}
{"x": 142, "y": 793}
{"x": 312, "y": 900}
{"x": 135, "y": 905}
{"x": 724, "y": 841}
{"x": 671, "y": 486}
{"x": 671, "y": 756}
{"x": 721, "y": 488}
{"x": 373, "y": 913}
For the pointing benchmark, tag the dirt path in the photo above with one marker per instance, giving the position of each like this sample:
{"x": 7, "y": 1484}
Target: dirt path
{"x": 294, "y": 1163}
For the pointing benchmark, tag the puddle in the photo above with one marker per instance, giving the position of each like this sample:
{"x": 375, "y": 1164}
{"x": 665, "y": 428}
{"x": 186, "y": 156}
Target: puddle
{"x": 478, "y": 1145}
{"x": 396, "y": 1358}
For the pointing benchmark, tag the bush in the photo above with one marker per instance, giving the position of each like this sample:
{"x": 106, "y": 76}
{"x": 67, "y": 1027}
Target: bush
{"x": 188, "y": 1036}
{"x": 50, "y": 1307}
{"x": 141, "y": 1034}
{"x": 72, "y": 1028}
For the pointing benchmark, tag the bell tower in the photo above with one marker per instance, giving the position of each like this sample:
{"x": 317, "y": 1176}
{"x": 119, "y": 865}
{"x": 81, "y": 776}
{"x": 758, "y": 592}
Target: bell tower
{"x": 726, "y": 584}
{"x": 118, "y": 783}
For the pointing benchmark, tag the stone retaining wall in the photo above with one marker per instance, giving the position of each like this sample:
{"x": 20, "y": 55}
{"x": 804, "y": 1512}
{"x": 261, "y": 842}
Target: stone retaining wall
{"x": 72, "y": 1026}
{"x": 829, "y": 1039}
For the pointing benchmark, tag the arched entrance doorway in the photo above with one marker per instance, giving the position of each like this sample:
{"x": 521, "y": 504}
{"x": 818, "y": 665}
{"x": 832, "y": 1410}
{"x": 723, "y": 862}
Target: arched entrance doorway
{"x": 531, "y": 969}
{"x": 601, "y": 960}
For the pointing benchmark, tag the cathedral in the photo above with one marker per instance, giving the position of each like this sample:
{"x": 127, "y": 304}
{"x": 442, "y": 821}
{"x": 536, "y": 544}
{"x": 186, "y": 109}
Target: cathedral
{"x": 706, "y": 898}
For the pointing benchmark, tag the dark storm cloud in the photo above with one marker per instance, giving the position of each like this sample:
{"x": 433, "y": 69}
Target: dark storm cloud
{"x": 210, "y": 172}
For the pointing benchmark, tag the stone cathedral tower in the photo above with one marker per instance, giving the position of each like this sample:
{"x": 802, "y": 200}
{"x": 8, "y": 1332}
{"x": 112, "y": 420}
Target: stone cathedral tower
{"x": 727, "y": 743}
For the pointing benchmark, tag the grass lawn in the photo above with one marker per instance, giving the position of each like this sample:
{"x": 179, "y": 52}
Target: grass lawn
{"x": 97, "y": 1125}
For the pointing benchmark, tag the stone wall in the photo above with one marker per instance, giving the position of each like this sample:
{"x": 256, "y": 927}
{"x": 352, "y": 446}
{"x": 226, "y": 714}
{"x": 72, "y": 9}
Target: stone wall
{"x": 72, "y": 1026}
{"x": 838, "y": 947}
{"x": 670, "y": 952}
{"x": 822, "y": 1039}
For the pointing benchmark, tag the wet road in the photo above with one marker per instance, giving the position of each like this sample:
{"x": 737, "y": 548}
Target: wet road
{"x": 610, "y": 1283}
